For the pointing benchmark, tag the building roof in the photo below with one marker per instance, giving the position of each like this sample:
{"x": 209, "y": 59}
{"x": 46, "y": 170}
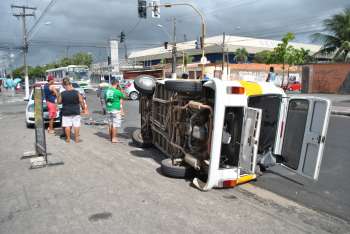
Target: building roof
{"x": 214, "y": 45}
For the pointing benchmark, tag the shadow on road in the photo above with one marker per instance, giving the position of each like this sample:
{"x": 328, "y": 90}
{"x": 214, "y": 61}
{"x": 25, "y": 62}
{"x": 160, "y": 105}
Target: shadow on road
{"x": 105, "y": 135}
{"x": 148, "y": 153}
{"x": 129, "y": 130}
{"x": 284, "y": 177}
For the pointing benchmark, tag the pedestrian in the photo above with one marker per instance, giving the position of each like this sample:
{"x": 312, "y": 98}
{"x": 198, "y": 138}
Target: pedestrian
{"x": 113, "y": 97}
{"x": 271, "y": 77}
{"x": 71, "y": 101}
{"x": 101, "y": 95}
{"x": 122, "y": 113}
{"x": 51, "y": 95}
{"x": 0, "y": 85}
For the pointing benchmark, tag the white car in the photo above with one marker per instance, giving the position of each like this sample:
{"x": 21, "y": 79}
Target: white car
{"x": 30, "y": 120}
{"x": 227, "y": 132}
{"x": 130, "y": 90}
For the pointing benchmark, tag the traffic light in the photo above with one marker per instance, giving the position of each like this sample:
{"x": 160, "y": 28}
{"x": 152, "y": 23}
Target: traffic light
{"x": 166, "y": 45}
{"x": 122, "y": 37}
{"x": 109, "y": 62}
{"x": 142, "y": 8}
{"x": 197, "y": 45}
{"x": 155, "y": 9}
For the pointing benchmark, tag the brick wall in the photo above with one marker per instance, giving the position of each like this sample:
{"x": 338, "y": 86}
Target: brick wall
{"x": 326, "y": 78}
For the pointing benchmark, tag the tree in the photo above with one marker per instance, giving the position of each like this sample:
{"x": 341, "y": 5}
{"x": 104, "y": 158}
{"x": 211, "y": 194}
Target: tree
{"x": 337, "y": 41}
{"x": 82, "y": 59}
{"x": 18, "y": 72}
{"x": 65, "y": 62}
{"x": 280, "y": 52}
{"x": 241, "y": 55}
{"x": 36, "y": 72}
{"x": 263, "y": 57}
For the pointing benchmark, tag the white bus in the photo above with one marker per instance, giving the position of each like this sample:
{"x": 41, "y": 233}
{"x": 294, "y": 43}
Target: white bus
{"x": 77, "y": 73}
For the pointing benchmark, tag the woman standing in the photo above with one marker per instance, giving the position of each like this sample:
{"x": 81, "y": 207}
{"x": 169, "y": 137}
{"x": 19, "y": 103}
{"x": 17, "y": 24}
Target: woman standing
{"x": 71, "y": 101}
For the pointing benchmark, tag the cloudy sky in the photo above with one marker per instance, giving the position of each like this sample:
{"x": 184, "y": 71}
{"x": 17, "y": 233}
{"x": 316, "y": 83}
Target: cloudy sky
{"x": 70, "y": 26}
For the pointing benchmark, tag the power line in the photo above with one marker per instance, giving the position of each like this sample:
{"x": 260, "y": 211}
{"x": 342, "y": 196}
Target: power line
{"x": 47, "y": 8}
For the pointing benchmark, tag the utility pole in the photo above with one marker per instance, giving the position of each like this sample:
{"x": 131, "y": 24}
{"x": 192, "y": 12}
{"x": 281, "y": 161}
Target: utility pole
{"x": 23, "y": 14}
{"x": 223, "y": 55}
{"x": 173, "y": 68}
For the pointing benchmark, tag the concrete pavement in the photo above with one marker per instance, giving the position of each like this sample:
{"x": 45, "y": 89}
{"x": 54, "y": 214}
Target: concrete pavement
{"x": 114, "y": 188}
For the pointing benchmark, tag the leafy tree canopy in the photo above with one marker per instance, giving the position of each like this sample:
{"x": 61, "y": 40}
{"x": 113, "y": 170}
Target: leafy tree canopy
{"x": 39, "y": 71}
{"x": 337, "y": 41}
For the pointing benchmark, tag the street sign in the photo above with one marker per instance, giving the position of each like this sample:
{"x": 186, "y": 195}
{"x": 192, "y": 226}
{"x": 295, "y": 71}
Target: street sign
{"x": 40, "y": 140}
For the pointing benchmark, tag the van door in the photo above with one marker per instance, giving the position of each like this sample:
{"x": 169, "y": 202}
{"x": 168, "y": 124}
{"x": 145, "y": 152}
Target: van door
{"x": 250, "y": 140}
{"x": 306, "y": 127}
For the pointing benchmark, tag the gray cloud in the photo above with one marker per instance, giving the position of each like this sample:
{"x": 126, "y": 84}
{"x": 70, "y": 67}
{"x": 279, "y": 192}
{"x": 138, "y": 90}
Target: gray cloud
{"x": 93, "y": 22}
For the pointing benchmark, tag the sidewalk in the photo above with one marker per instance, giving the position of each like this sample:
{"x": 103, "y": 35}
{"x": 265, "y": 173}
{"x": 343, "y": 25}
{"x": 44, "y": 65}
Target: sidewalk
{"x": 340, "y": 103}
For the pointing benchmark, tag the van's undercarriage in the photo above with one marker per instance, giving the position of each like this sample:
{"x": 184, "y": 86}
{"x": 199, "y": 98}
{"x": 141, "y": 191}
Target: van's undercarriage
{"x": 224, "y": 135}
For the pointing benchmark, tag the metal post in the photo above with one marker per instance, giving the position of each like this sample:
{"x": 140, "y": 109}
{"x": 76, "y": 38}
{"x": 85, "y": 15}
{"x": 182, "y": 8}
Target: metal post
{"x": 173, "y": 67}
{"x": 23, "y": 15}
{"x": 223, "y": 55}
{"x": 203, "y": 24}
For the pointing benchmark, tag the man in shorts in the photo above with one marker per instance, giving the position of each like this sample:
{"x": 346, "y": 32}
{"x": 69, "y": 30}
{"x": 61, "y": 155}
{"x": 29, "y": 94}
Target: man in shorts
{"x": 71, "y": 102}
{"x": 113, "y": 96}
{"x": 50, "y": 96}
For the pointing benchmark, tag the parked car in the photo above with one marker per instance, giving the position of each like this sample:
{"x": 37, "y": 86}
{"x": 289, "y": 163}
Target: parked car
{"x": 294, "y": 86}
{"x": 229, "y": 132}
{"x": 30, "y": 106}
{"x": 30, "y": 119}
{"x": 130, "y": 90}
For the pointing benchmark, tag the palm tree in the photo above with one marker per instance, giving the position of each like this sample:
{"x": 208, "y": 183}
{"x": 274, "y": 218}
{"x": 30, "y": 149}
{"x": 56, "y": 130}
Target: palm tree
{"x": 241, "y": 55}
{"x": 337, "y": 41}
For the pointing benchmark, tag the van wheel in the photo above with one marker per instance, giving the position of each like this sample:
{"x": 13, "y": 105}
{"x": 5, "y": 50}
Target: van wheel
{"x": 139, "y": 141}
{"x": 184, "y": 86}
{"x": 175, "y": 171}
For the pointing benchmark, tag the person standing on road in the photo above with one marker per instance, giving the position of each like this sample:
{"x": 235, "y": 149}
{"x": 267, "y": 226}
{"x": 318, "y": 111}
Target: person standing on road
{"x": 271, "y": 77}
{"x": 101, "y": 95}
{"x": 71, "y": 102}
{"x": 113, "y": 96}
{"x": 51, "y": 94}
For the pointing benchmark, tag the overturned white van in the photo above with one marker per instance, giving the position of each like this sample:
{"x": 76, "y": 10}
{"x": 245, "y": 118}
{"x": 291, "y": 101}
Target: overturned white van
{"x": 226, "y": 132}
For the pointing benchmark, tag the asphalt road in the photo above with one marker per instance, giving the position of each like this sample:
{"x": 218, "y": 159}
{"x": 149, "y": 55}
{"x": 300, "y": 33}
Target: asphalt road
{"x": 330, "y": 194}
{"x": 118, "y": 188}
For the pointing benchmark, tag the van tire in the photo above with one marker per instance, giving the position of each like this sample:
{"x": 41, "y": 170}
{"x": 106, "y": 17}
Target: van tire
{"x": 184, "y": 86}
{"x": 174, "y": 171}
{"x": 139, "y": 141}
